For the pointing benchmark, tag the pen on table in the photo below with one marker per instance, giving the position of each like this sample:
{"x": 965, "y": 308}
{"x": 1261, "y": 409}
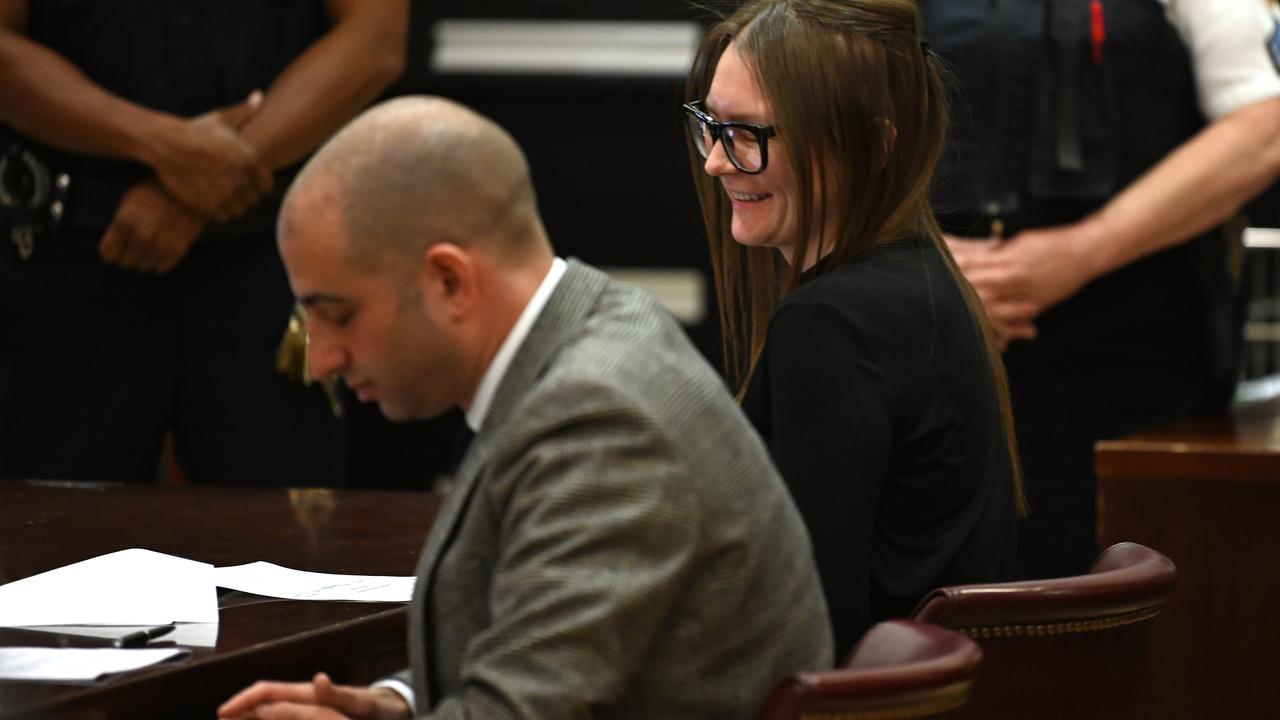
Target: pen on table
{"x": 142, "y": 637}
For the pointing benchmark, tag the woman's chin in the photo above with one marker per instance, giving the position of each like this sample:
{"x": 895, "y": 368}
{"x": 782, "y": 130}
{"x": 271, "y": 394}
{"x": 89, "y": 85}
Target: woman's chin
{"x": 749, "y": 236}
{"x": 754, "y": 239}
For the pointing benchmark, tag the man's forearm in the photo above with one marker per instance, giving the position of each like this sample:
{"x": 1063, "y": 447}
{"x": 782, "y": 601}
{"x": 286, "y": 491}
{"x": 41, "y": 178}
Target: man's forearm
{"x": 1202, "y": 183}
{"x": 333, "y": 80}
{"x": 45, "y": 97}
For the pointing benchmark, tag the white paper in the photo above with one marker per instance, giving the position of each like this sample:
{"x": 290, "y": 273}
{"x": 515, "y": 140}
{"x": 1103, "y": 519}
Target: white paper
{"x": 77, "y": 664}
{"x": 187, "y": 634}
{"x": 264, "y": 578}
{"x": 129, "y": 587}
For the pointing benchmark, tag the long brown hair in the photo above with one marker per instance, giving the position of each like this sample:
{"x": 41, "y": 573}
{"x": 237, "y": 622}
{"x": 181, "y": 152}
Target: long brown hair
{"x": 861, "y": 103}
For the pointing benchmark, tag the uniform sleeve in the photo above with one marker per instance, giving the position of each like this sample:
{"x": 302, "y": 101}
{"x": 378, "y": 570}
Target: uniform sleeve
{"x": 831, "y": 436}
{"x": 1229, "y": 43}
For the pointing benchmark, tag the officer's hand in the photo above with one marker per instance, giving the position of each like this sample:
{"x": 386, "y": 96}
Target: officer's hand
{"x": 1022, "y": 277}
{"x": 205, "y": 163}
{"x": 151, "y": 231}
{"x": 1008, "y": 322}
{"x": 319, "y": 699}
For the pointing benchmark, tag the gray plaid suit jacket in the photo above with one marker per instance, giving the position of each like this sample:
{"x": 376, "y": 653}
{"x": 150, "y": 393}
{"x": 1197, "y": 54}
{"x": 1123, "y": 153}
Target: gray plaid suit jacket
{"x": 617, "y": 543}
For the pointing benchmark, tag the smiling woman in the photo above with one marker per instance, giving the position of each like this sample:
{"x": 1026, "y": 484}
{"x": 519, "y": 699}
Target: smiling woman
{"x": 860, "y": 354}
{"x": 761, "y": 194}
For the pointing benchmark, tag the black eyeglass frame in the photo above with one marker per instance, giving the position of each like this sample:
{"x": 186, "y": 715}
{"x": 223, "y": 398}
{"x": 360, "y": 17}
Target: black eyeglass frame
{"x": 716, "y": 128}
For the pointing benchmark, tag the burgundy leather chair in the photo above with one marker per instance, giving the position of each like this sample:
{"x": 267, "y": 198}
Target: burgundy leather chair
{"x": 900, "y": 669}
{"x": 1073, "y": 647}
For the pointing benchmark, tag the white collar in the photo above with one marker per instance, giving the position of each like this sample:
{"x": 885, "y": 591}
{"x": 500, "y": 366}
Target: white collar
{"x": 502, "y": 359}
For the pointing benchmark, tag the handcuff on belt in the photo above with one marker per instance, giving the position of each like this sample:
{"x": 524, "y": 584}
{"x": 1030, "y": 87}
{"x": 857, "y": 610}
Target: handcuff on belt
{"x": 32, "y": 196}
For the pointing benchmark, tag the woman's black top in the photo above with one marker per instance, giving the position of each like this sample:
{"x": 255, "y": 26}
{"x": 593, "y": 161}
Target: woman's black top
{"x": 874, "y": 394}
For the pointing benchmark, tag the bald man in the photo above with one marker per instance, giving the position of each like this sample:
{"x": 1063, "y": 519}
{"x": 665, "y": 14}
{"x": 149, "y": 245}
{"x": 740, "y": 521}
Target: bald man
{"x": 615, "y": 543}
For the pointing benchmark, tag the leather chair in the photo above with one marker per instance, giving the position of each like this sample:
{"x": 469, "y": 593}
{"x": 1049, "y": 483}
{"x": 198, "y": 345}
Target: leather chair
{"x": 1073, "y": 647}
{"x": 900, "y": 669}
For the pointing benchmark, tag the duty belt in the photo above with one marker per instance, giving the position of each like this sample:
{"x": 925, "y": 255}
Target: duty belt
{"x": 37, "y": 198}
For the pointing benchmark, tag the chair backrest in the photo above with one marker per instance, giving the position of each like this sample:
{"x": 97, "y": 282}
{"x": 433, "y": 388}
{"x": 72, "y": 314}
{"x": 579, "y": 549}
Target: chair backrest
{"x": 1073, "y": 647}
{"x": 900, "y": 669}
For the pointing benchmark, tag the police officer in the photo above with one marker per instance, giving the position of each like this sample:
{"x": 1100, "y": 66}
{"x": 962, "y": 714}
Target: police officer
{"x": 1098, "y": 147}
{"x": 140, "y": 288}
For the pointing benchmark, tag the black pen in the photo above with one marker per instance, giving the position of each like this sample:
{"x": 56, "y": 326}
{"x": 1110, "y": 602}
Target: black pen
{"x": 142, "y": 637}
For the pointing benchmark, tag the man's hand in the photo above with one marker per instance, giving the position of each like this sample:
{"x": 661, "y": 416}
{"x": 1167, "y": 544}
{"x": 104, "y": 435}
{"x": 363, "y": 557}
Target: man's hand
{"x": 1019, "y": 278}
{"x": 319, "y": 699}
{"x": 151, "y": 231}
{"x": 205, "y": 163}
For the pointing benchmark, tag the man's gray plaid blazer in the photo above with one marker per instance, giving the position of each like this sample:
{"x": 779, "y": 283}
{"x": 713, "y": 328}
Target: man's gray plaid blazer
{"x": 616, "y": 543}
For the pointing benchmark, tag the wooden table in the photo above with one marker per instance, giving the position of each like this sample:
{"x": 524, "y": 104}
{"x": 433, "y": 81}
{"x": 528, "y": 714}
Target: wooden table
{"x": 47, "y": 525}
{"x": 1206, "y": 492}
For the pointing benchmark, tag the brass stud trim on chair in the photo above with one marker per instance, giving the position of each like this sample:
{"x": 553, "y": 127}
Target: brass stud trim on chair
{"x": 998, "y": 631}
{"x": 938, "y": 702}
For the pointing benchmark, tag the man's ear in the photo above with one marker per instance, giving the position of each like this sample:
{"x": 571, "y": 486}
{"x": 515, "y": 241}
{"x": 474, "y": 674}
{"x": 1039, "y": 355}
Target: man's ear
{"x": 448, "y": 278}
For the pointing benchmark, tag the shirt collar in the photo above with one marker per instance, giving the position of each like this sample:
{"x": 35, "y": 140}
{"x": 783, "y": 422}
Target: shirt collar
{"x": 502, "y": 359}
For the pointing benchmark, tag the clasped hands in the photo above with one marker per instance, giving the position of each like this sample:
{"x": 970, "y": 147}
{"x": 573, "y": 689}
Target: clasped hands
{"x": 204, "y": 171}
{"x": 319, "y": 699}
{"x": 1019, "y": 278}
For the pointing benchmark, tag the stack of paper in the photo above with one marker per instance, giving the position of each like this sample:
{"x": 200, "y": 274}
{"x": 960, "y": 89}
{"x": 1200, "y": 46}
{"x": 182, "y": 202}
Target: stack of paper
{"x": 116, "y": 594}
{"x": 185, "y": 634}
{"x": 108, "y": 596}
{"x": 264, "y": 578}
{"x": 78, "y": 664}
{"x": 129, "y": 587}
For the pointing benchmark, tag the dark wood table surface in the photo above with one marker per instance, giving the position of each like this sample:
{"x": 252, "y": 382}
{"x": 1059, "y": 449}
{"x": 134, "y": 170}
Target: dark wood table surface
{"x": 46, "y": 525}
{"x": 1205, "y": 492}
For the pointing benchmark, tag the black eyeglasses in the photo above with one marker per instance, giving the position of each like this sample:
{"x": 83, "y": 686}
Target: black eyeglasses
{"x": 746, "y": 145}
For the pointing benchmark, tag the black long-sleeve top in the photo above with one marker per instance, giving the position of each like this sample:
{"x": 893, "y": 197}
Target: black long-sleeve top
{"x": 874, "y": 394}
